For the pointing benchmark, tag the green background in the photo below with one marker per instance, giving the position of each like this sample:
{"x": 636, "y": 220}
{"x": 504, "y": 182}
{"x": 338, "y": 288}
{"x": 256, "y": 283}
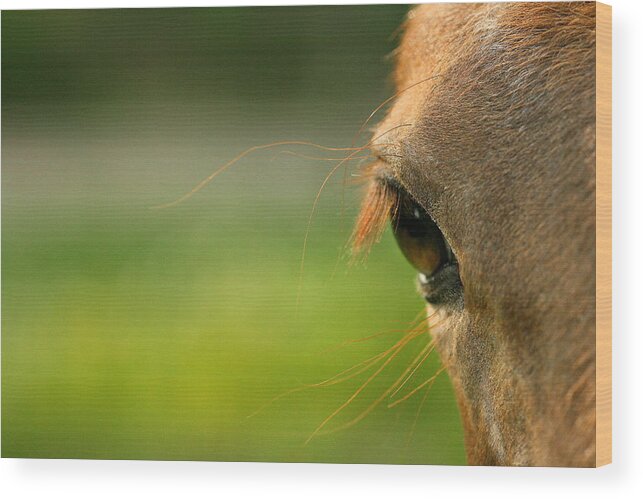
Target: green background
{"x": 134, "y": 333}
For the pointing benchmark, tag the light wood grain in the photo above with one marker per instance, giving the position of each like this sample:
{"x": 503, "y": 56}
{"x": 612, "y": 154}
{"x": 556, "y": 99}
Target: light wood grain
{"x": 603, "y": 234}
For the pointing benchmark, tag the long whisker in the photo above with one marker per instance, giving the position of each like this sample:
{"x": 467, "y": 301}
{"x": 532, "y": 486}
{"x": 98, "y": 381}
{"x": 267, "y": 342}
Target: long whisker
{"x": 320, "y": 158}
{"x": 418, "y": 363}
{"x": 316, "y": 201}
{"x": 409, "y": 335}
{"x": 341, "y": 218}
{"x": 430, "y": 381}
{"x": 411, "y": 325}
{"x": 385, "y": 102}
{"x": 335, "y": 379}
{"x": 414, "y": 329}
{"x": 363, "y": 339}
{"x": 375, "y": 403}
{"x": 243, "y": 154}
{"x": 364, "y": 385}
{"x": 417, "y": 416}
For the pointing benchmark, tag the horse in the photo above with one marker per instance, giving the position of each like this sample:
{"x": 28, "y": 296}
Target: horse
{"x": 486, "y": 168}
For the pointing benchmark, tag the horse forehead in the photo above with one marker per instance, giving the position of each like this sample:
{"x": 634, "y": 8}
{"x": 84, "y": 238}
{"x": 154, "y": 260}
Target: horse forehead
{"x": 433, "y": 33}
{"x": 434, "y": 40}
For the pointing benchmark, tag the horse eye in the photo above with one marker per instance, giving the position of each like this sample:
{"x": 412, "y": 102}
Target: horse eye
{"x": 418, "y": 236}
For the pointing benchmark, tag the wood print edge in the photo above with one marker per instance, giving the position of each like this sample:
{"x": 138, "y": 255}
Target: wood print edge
{"x": 603, "y": 234}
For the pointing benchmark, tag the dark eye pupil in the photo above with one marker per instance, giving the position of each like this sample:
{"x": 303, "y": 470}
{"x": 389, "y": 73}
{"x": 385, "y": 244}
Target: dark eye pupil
{"x": 418, "y": 236}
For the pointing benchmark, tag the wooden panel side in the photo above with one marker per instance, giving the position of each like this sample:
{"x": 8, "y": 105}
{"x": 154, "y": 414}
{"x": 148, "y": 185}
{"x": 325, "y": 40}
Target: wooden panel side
{"x": 603, "y": 234}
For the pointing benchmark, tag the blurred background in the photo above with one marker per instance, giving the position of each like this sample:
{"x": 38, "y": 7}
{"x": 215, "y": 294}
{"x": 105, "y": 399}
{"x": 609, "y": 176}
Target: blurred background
{"x": 134, "y": 333}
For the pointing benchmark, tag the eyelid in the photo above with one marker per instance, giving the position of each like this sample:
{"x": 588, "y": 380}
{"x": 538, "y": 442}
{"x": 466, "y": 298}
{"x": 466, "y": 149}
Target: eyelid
{"x": 390, "y": 179}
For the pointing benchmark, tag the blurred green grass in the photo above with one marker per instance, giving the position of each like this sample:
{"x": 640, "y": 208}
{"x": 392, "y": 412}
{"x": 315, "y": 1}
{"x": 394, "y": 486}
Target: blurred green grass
{"x": 131, "y": 333}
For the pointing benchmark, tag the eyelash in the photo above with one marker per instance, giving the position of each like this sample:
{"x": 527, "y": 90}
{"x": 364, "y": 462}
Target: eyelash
{"x": 380, "y": 201}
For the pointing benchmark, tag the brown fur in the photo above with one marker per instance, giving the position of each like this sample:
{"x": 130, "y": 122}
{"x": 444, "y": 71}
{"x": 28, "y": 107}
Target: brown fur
{"x": 502, "y": 155}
